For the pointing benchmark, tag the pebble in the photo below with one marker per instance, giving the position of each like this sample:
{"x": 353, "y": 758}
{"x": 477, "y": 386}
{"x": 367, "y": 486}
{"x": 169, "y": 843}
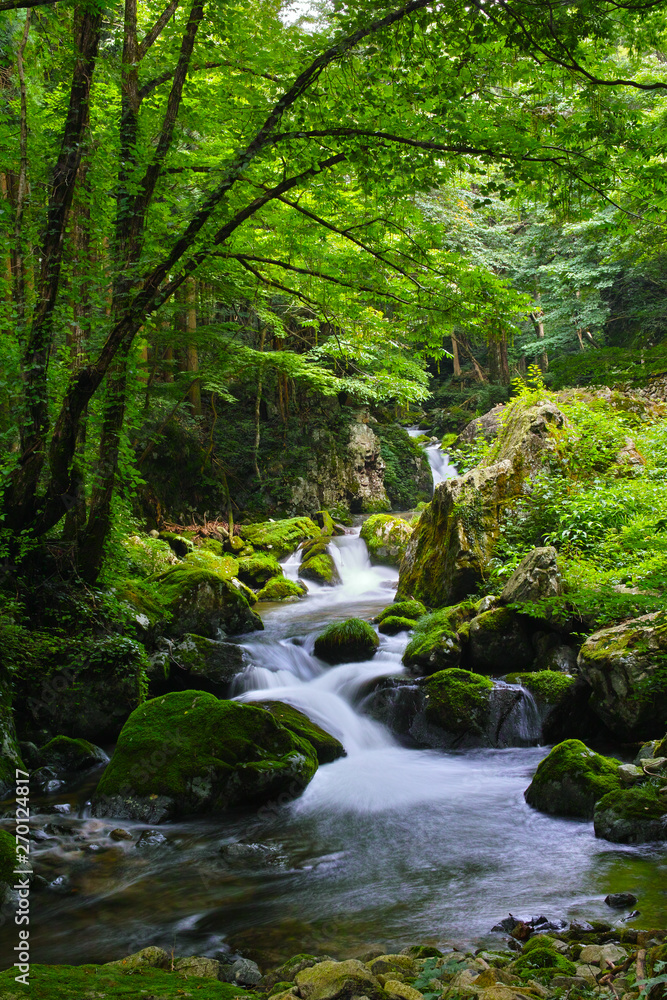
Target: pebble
{"x": 120, "y": 834}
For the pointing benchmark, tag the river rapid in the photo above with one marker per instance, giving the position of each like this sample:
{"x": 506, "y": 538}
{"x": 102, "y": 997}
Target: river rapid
{"x": 390, "y": 844}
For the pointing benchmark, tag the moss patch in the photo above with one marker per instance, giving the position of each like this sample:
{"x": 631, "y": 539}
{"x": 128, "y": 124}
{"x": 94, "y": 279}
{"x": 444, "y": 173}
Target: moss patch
{"x": 458, "y": 700}
{"x": 326, "y": 746}
{"x": 544, "y": 960}
{"x": 280, "y": 537}
{"x": 347, "y": 642}
{"x": 224, "y": 565}
{"x": 436, "y": 644}
{"x": 7, "y": 857}
{"x": 202, "y": 601}
{"x": 403, "y": 609}
{"x": 281, "y": 589}
{"x": 320, "y": 568}
{"x": 73, "y": 982}
{"x": 570, "y": 780}
{"x": 631, "y": 815}
{"x": 386, "y": 538}
{"x": 258, "y": 569}
{"x": 71, "y": 755}
{"x": 546, "y": 685}
{"x": 393, "y": 624}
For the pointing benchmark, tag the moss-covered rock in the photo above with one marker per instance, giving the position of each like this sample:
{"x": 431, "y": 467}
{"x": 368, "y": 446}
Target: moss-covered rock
{"x": 548, "y": 686}
{"x": 562, "y": 700}
{"x": 338, "y": 981}
{"x": 225, "y": 565}
{"x": 195, "y": 663}
{"x": 258, "y": 569}
{"x": 347, "y": 642}
{"x": 402, "y": 609}
{"x": 627, "y": 668}
{"x": 319, "y": 567}
{"x": 325, "y": 521}
{"x": 179, "y": 544}
{"x": 570, "y": 780}
{"x": 279, "y": 588}
{"x": 202, "y": 602}
{"x": 457, "y": 701}
{"x": 281, "y": 538}
{"x": 65, "y": 754}
{"x": 7, "y": 861}
{"x": 437, "y": 643}
{"x": 189, "y": 752}
{"x": 407, "y": 474}
{"x": 631, "y": 815}
{"x": 393, "y": 624}
{"x": 326, "y": 746}
{"x": 499, "y": 642}
{"x": 386, "y": 538}
{"x": 147, "y": 555}
{"x": 544, "y": 960}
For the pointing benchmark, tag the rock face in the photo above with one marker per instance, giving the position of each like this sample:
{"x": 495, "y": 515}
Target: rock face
{"x": 455, "y": 537}
{"x": 204, "y": 603}
{"x": 536, "y": 578}
{"x": 195, "y": 663}
{"x": 347, "y": 642}
{"x": 571, "y": 779}
{"x": 386, "y": 538}
{"x": 626, "y": 666}
{"x": 189, "y": 753}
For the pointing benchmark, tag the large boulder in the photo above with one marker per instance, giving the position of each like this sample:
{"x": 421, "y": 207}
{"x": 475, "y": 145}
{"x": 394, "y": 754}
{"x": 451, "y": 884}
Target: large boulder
{"x": 450, "y": 549}
{"x": 326, "y": 746}
{"x": 438, "y": 640}
{"x": 536, "y": 578}
{"x": 486, "y": 426}
{"x": 571, "y": 779}
{"x": 562, "y": 702}
{"x": 65, "y": 755}
{"x": 347, "y": 642}
{"x": 463, "y": 709}
{"x": 317, "y": 563}
{"x": 499, "y": 641}
{"x": 338, "y": 981}
{"x": 632, "y": 815}
{"x": 626, "y": 666}
{"x": 203, "y": 602}
{"x": 195, "y": 663}
{"x": 189, "y": 752}
{"x": 280, "y": 538}
{"x": 386, "y": 537}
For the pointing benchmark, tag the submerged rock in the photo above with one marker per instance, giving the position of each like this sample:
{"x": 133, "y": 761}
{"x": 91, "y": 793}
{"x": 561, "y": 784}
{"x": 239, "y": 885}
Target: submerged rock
{"x": 571, "y": 779}
{"x": 347, "y": 642}
{"x": 189, "y": 752}
{"x": 386, "y": 537}
{"x": 626, "y": 666}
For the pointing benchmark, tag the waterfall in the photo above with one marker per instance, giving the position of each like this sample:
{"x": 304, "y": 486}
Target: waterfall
{"x": 437, "y": 459}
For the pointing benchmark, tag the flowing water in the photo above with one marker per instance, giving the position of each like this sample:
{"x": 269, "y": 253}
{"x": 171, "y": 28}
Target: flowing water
{"x": 441, "y": 468}
{"x": 390, "y": 843}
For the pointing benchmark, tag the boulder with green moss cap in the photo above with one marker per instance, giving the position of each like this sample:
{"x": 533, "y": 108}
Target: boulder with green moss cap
{"x": 64, "y": 754}
{"x": 499, "y": 641}
{"x": 317, "y": 563}
{"x": 562, "y": 701}
{"x": 386, "y": 537}
{"x": 571, "y": 779}
{"x": 189, "y": 752}
{"x": 338, "y": 981}
{"x": 258, "y": 569}
{"x": 626, "y": 666}
{"x": 438, "y": 640}
{"x": 635, "y": 815}
{"x": 205, "y": 603}
{"x": 197, "y": 663}
{"x": 393, "y": 624}
{"x": 327, "y": 747}
{"x": 280, "y": 538}
{"x": 402, "y": 609}
{"x": 279, "y": 588}
{"x": 347, "y": 642}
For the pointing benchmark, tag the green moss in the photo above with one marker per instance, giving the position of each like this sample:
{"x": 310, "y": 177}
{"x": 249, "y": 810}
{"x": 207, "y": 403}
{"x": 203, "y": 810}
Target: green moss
{"x": 315, "y": 546}
{"x": 325, "y": 521}
{"x": 213, "y": 545}
{"x": 546, "y": 961}
{"x": 258, "y": 569}
{"x": 71, "y": 754}
{"x": 640, "y": 802}
{"x": 570, "y": 780}
{"x": 203, "y": 601}
{"x": 436, "y": 641}
{"x": 547, "y": 685}
{"x": 281, "y": 589}
{"x": 143, "y": 600}
{"x": 393, "y": 624}
{"x": 320, "y": 568}
{"x": 280, "y": 537}
{"x": 496, "y": 620}
{"x": 73, "y": 982}
{"x": 191, "y": 746}
{"x": 7, "y": 857}
{"x": 347, "y": 642}
{"x": 280, "y": 988}
{"x": 403, "y": 609}
{"x": 386, "y": 537}
{"x": 224, "y": 565}
{"x": 146, "y": 555}
{"x": 457, "y": 700}
{"x": 326, "y": 746}
{"x": 180, "y": 544}
{"x": 539, "y": 941}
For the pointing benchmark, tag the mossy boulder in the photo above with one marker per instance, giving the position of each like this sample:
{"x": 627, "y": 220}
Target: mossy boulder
{"x": 634, "y": 815}
{"x": 147, "y": 556}
{"x": 202, "y": 602}
{"x": 179, "y": 544}
{"x": 499, "y": 641}
{"x": 224, "y": 565}
{"x": 190, "y": 752}
{"x": 571, "y": 779}
{"x": 7, "y": 862}
{"x": 626, "y": 666}
{"x": 338, "y": 981}
{"x": 402, "y": 609}
{"x": 195, "y": 663}
{"x": 280, "y": 538}
{"x": 279, "y": 588}
{"x": 64, "y": 754}
{"x": 438, "y": 643}
{"x": 347, "y": 642}
{"x": 318, "y": 566}
{"x": 545, "y": 962}
{"x": 258, "y": 569}
{"x": 457, "y": 701}
{"x": 562, "y": 700}
{"x": 536, "y": 578}
{"x": 326, "y": 746}
{"x": 393, "y": 624}
{"x": 386, "y": 537}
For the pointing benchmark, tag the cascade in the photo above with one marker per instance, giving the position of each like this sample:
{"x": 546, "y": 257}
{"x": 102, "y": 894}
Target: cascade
{"x": 441, "y": 468}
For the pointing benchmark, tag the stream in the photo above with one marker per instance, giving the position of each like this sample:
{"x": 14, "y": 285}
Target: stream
{"x": 390, "y": 844}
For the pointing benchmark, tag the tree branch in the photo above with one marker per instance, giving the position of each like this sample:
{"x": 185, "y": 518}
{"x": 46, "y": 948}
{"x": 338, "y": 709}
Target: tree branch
{"x": 157, "y": 29}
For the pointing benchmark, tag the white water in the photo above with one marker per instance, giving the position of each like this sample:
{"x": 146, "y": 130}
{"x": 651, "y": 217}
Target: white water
{"x": 438, "y": 460}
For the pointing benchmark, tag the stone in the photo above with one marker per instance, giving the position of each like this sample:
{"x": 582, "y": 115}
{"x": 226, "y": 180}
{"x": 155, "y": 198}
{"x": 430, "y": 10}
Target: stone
{"x": 438, "y": 640}
{"x": 189, "y": 752}
{"x": 195, "y": 663}
{"x": 245, "y": 973}
{"x": 394, "y": 988}
{"x": 626, "y": 666}
{"x": 326, "y": 746}
{"x": 634, "y": 815}
{"x": 318, "y": 565}
{"x": 394, "y": 963}
{"x": 338, "y": 981}
{"x": 66, "y": 755}
{"x": 630, "y": 775}
{"x": 349, "y": 641}
{"x": 279, "y": 588}
{"x": 536, "y": 578}
{"x": 411, "y": 610}
{"x": 486, "y": 426}
{"x": 203, "y": 602}
{"x": 119, "y": 834}
{"x": 498, "y": 641}
{"x": 281, "y": 538}
{"x": 620, "y": 900}
{"x": 258, "y": 569}
{"x": 392, "y": 625}
{"x": 152, "y": 957}
{"x": 386, "y": 538}
{"x": 571, "y": 779}
{"x": 204, "y": 968}
{"x": 569, "y": 982}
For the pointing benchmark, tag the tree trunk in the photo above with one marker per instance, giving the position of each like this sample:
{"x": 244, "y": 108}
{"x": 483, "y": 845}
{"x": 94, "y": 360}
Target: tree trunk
{"x": 455, "y": 357}
{"x": 191, "y": 355}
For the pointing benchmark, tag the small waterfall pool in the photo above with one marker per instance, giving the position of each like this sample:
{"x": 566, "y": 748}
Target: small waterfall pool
{"x": 388, "y": 844}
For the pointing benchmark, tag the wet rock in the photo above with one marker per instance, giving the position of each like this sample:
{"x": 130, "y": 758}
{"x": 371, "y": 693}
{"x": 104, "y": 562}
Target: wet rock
{"x": 190, "y": 752}
{"x": 347, "y": 642}
{"x": 195, "y": 663}
{"x": 326, "y": 746}
{"x": 280, "y": 538}
{"x": 287, "y": 971}
{"x": 411, "y": 610}
{"x": 152, "y": 957}
{"x": 394, "y": 988}
{"x": 279, "y": 588}
{"x": 570, "y": 780}
{"x": 499, "y": 641}
{"x": 392, "y": 625}
{"x": 633, "y": 815}
{"x": 249, "y": 855}
{"x": 562, "y": 702}
{"x": 119, "y": 834}
{"x": 318, "y": 565}
{"x": 204, "y": 968}
{"x": 151, "y": 838}
{"x": 338, "y": 981}
{"x": 386, "y": 537}
{"x": 630, "y": 775}
{"x": 202, "y": 602}
{"x": 625, "y": 666}
{"x": 384, "y": 964}
{"x": 258, "y": 569}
